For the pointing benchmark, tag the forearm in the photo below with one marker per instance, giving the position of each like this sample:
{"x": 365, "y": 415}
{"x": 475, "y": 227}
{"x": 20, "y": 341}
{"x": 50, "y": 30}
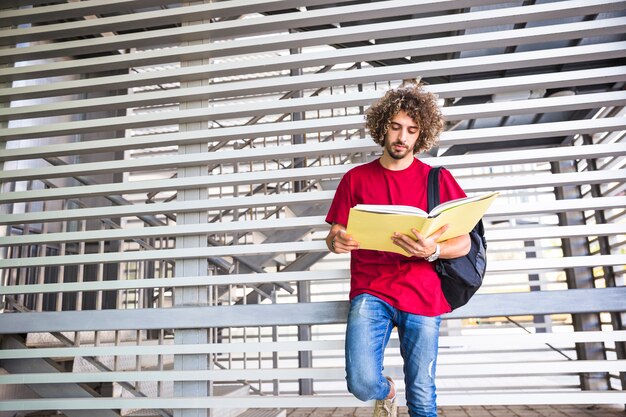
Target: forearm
{"x": 455, "y": 247}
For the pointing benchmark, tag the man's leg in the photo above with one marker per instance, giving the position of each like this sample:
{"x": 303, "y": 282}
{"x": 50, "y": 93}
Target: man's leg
{"x": 419, "y": 337}
{"x": 369, "y": 327}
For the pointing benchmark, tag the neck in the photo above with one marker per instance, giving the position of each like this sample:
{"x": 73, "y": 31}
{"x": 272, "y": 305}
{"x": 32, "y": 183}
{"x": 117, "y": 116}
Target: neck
{"x": 396, "y": 164}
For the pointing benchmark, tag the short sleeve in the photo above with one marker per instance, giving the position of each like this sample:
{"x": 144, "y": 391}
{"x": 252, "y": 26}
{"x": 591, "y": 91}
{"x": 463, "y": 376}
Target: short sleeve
{"x": 449, "y": 189}
{"x": 342, "y": 203}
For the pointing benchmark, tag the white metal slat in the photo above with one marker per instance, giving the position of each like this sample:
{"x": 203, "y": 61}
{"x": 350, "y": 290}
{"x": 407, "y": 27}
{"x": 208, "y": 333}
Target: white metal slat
{"x": 289, "y": 314}
{"x": 71, "y": 10}
{"x": 311, "y": 223}
{"x": 316, "y": 222}
{"x": 482, "y": 341}
{"x": 553, "y": 80}
{"x": 523, "y": 209}
{"x": 543, "y": 264}
{"x": 533, "y": 131}
{"x": 534, "y": 264}
{"x": 512, "y": 182}
{"x": 318, "y": 373}
{"x": 542, "y": 105}
{"x": 346, "y": 34}
{"x": 500, "y": 267}
{"x": 530, "y": 398}
{"x": 148, "y": 19}
{"x": 317, "y": 149}
{"x": 309, "y": 150}
{"x": 575, "y": 397}
{"x": 260, "y": 108}
{"x": 233, "y": 279}
{"x": 529, "y": 233}
{"x": 438, "y": 68}
{"x": 170, "y": 207}
{"x": 400, "y": 49}
{"x": 183, "y": 138}
{"x": 222, "y": 157}
{"x": 216, "y": 30}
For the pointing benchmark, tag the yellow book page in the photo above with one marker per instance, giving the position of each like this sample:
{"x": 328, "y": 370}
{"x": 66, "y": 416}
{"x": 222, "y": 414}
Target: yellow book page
{"x": 461, "y": 219}
{"x": 374, "y": 230}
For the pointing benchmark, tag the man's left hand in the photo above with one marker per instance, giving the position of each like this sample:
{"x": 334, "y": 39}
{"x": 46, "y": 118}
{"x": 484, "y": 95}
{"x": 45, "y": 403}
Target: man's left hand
{"x": 421, "y": 247}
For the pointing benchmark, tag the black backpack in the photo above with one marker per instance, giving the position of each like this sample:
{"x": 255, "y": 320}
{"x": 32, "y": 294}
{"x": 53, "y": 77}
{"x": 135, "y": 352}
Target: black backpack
{"x": 460, "y": 277}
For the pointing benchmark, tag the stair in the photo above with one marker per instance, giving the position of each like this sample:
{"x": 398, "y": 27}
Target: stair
{"x": 264, "y": 412}
{"x": 150, "y": 389}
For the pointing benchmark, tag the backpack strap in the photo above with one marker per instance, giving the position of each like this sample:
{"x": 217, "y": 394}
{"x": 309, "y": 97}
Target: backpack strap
{"x": 433, "y": 187}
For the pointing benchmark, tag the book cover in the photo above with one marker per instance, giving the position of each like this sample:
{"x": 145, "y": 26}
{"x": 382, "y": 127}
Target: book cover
{"x": 373, "y": 225}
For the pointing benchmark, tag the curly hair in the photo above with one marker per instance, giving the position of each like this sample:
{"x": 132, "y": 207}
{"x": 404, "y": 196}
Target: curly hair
{"x": 420, "y": 105}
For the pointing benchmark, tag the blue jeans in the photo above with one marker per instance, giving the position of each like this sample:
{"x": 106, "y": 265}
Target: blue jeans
{"x": 370, "y": 322}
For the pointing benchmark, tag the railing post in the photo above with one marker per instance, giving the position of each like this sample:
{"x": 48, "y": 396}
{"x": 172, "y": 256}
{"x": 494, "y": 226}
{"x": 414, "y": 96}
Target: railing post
{"x": 305, "y": 358}
{"x": 580, "y": 278}
{"x": 618, "y": 319}
{"x": 192, "y": 296}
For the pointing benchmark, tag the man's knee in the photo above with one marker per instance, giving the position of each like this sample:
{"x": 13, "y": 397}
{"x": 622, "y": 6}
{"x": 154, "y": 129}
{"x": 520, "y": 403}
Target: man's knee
{"x": 366, "y": 387}
{"x": 363, "y": 392}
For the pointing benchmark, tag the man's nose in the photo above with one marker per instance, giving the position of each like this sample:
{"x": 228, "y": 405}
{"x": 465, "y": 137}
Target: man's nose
{"x": 402, "y": 135}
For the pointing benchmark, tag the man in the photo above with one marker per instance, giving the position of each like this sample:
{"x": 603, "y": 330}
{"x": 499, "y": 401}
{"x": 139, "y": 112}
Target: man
{"x": 389, "y": 290}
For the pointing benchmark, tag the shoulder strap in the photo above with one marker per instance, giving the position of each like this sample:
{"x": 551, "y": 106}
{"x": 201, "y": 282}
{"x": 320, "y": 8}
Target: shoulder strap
{"x": 433, "y": 187}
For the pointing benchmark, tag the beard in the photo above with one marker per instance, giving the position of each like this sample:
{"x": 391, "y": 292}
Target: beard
{"x": 397, "y": 150}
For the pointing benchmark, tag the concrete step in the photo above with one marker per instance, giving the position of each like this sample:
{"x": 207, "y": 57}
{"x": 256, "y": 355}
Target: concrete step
{"x": 34, "y": 340}
{"x": 150, "y": 389}
{"x": 264, "y": 412}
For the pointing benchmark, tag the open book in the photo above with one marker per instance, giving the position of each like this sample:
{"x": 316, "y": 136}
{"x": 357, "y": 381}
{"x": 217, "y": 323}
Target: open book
{"x": 373, "y": 225}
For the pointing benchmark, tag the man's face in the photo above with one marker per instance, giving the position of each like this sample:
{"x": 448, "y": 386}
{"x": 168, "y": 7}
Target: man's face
{"x": 401, "y": 136}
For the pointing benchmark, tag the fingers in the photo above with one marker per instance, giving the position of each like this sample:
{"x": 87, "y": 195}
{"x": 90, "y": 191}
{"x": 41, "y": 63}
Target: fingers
{"x": 343, "y": 243}
{"x": 439, "y": 232}
{"x": 410, "y": 246}
{"x": 420, "y": 246}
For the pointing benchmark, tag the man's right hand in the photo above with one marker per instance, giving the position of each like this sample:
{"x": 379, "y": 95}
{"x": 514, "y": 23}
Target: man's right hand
{"x": 338, "y": 241}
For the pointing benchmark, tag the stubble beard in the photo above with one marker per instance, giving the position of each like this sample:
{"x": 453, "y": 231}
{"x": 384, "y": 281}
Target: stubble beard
{"x": 397, "y": 155}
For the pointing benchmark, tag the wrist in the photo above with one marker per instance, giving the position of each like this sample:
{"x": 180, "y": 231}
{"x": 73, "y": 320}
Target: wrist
{"x": 435, "y": 255}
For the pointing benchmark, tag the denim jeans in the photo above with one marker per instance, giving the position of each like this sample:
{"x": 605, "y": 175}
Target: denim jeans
{"x": 370, "y": 322}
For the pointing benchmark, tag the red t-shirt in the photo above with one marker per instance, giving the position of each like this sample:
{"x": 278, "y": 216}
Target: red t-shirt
{"x": 408, "y": 284}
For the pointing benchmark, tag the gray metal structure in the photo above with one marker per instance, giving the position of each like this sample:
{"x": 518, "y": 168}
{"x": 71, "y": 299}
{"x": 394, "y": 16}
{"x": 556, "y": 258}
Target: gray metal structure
{"x": 166, "y": 169}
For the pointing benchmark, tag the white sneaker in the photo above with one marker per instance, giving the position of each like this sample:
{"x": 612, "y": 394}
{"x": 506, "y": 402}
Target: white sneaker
{"x": 387, "y": 408}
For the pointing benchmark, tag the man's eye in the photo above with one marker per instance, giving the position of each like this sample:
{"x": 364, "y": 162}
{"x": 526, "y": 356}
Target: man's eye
{"x": 395, "y": 127}
{"x": 412, "y": 131}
